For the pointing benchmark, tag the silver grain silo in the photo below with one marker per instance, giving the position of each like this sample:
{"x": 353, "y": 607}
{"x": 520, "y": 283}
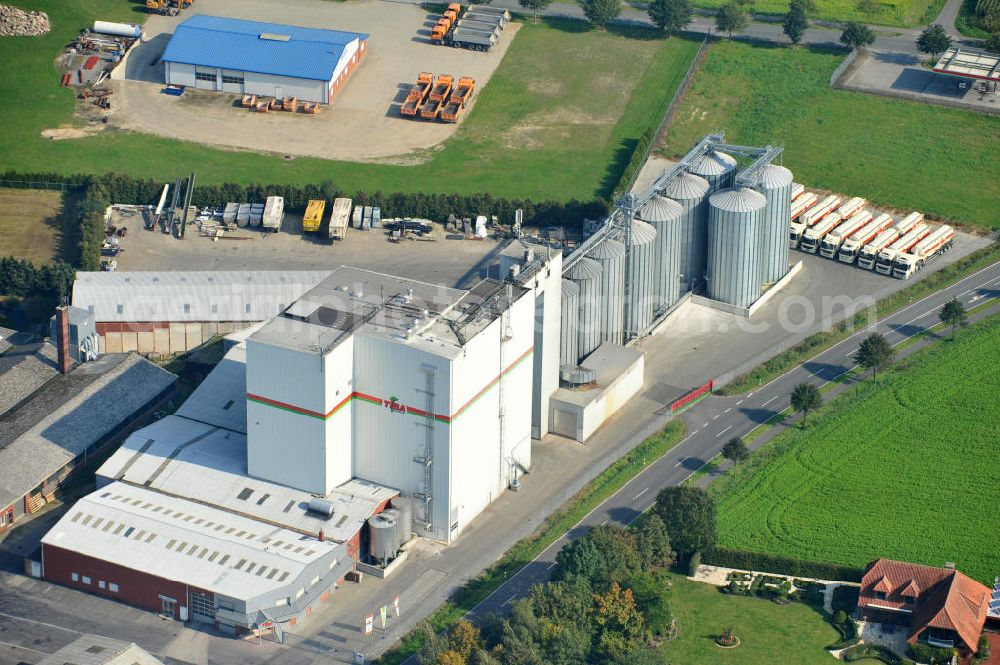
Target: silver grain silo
{"x": 384, "y": 539}
{"x": 776, "y": 186}
{"x": 691, "y": 192}
{"x": 569, "y": 339}
{"x": 610, "y": 254}
{"x": 586, "y": 274}
{"x": 642, "y": 273}
{"x": 666, "y": 216}
{"x": 404, "y": 527}
{"x": 716, "y": 167}
{"x": 734, "y": 251}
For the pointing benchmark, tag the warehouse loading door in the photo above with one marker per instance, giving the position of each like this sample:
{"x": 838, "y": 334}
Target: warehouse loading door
{"x": 205, "y": 78}
{"x": 232, "y": 81}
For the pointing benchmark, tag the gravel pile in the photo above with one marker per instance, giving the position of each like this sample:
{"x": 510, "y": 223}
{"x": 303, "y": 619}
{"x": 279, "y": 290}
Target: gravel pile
{"x": 16, "y": 22}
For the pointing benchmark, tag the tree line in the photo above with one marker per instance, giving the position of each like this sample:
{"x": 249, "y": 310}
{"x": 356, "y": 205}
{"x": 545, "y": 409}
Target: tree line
{"x": 607, "y": 600}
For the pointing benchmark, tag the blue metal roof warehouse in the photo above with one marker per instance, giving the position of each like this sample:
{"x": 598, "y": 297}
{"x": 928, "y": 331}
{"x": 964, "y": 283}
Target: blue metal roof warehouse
{"x": 234, "y": 55}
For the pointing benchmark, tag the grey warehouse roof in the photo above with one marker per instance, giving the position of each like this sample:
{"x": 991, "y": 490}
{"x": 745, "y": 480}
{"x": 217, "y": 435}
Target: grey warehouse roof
{"x": 239, "y": 295}
{"x": 220, "y": 400}
{"x": 23, "y": 370}
{"x": 70, "y": 413}
{"x": 99, "y": 650}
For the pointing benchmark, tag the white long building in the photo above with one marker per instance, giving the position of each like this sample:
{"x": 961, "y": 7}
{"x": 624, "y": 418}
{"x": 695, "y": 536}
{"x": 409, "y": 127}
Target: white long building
{"x": 406, "y": 384}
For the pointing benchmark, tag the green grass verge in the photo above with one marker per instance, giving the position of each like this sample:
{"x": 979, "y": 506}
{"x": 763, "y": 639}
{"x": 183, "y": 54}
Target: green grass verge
{"x": 905, "y": 14}
{"x": 849, "y": 142}
{"x": 967, "y": 22}
{"x": 769, "y": 633}
{"x": 558, "y": 119}
{"x": 901, "y": 468}
{"x": 816, "y": 343}
{"x": 555, "y": 526}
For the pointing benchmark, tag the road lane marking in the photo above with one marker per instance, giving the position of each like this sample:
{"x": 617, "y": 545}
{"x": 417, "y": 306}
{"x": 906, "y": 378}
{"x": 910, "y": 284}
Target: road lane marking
{"x": 728, "y": 410}
{"x": 679, "y": 462}
{"x": 723, "y": 431}
{"x": 640, "y": 494}
{"x": 715, "y": 417}
{"x": 552, "y": 565}
{"x": 769, "y": 401}
{"x": 740, "y": 402}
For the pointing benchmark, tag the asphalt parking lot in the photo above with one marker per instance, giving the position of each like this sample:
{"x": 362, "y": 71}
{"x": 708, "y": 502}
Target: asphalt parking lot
{"x": 362, "y": 123}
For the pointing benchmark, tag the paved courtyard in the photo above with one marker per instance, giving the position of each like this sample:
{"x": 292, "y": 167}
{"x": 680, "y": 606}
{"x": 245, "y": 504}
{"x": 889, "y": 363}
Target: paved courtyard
{"x": 363, "y": 122}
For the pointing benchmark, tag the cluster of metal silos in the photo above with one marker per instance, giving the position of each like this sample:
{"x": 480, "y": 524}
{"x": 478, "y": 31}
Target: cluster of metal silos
{"x": 666, "y": 217}
{"x": 776, "y": 186}
{"x": 735, "y": 218}
{"x": 569, "y": 339}
{"x": 717, "y": 168}
{"x": 642, "y": 274}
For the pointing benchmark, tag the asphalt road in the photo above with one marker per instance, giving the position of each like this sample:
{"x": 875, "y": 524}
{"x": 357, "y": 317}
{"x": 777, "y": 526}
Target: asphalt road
{"x": 715, "y": 420}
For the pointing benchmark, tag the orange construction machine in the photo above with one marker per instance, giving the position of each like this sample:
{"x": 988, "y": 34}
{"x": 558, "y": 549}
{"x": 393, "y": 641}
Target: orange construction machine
{"x": 418, "y": 94}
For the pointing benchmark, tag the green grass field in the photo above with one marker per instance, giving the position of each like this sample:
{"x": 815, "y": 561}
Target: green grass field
{"x": 902, "y": 154}
{"x": 904, "y": 13}
{"x": 31, "y": 225}
{"x": 769, "y": 633}
{"x": 556, "y": 121}
{"x": 905, "y": 469}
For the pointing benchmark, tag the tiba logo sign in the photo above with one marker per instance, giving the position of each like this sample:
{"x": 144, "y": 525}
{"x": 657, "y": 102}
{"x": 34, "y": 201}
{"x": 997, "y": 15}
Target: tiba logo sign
{"x": 393, "y": 405}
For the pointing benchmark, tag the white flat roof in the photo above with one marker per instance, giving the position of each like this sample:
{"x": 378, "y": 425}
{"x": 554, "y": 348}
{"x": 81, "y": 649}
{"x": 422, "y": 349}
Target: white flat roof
{"x": 970, "y": 64}
{"x": 220, "y": 399}
{"x": 186, "y": 458}
{"x": 181, "y": 540}
{"x": 352, "y": 300}
{"x": 609, "y": 363}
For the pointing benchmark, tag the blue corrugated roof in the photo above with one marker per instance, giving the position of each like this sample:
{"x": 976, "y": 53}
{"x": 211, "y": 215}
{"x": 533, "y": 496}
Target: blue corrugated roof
{"x": 230, "y": 43}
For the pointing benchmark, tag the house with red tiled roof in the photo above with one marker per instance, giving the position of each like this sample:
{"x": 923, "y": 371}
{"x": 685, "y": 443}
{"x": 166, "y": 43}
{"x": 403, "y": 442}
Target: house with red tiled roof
{"x": 939, "y": 606}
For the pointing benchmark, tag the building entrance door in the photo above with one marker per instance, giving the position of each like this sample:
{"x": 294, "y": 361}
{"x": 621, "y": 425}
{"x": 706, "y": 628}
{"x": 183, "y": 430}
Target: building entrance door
{"x": 169, "y": 605}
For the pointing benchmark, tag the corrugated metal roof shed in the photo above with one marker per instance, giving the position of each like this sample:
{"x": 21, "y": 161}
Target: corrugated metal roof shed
{"x": 69, "y": 414}
{"x": 237, "y": 295}
{"x": 264, "y": 48}
{"x": 220, "y": 399}
{"x": 99, "y": 650}
{"x": 181, "y": 540}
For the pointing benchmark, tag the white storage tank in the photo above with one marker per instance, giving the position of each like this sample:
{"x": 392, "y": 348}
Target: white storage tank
{"x": 666, "y": 216}
{"x": 610, "y": 254}
{"x": 404, "y": 523}
{"x": 691, "y": 192}
{"x": 716, "y": 167}
{"x": 586, "y": 274}
{"x": 384, "y": 539}
{"x": 118, "y": 29}
{"x": 776, "y": 186}
{"x": 643, "y": 269}
{"x": 734, "y": 252}
{"x": 569, "y": 338}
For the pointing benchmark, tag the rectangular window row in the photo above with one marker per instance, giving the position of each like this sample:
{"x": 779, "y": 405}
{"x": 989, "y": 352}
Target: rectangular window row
{"x": 110, "y": 586}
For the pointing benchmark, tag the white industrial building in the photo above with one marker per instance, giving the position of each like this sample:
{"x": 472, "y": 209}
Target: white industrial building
{"x": 248, "y": 57}
{"x": 407, "y": 384}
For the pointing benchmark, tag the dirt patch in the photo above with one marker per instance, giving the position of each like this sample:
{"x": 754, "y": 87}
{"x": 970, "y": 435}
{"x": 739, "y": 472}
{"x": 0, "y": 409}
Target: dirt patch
{"x": 71, "y": 132}
{"x": 363, "y": 122}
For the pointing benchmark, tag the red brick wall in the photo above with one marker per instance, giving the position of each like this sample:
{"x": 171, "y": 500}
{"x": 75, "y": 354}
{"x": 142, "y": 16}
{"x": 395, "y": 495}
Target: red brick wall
{"x": 8, "y": 512}
{"x": 134, "y": 587}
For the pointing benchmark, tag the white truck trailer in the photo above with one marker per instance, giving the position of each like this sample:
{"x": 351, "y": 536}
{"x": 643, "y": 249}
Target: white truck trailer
{"x": 274, "y": 213}
{"x": 925, "y": 251}
{"x": 851, "y": 206}
{"x": 887, "y": 257}
{"x": 796, "y": 225}
{"x": 815, "y": 233}
{"x": 906, "y": 224}
{"x": 798, "y": 189}
{"x": 869, "y": 253}
{"x": 832, "y": 241}
{"x": 340, "y": 216}
{"x": 852, "y": 246}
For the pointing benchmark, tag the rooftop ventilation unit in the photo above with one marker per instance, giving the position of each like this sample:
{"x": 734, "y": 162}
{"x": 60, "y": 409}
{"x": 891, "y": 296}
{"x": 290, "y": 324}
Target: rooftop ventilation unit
{"x": 321, "y": 506}
{"x": 274, "y": 38}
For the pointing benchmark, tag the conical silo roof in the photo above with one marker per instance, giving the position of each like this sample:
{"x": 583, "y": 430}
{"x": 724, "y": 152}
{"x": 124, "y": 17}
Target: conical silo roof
{"x": 585, "y": 270}
{"x": 737, "y": 200}
{"x": 607, "y": 248}
{"x": 660, "y": 209}
{"x": 686, "y": 186}
{"x": 713, "y": 163}
{"x": 570, "y": 289}
{"x": 642, "y": 233}
{"x": 775, "y": 177}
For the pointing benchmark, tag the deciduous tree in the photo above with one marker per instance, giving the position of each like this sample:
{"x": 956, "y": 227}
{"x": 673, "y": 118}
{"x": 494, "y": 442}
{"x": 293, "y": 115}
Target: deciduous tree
{"x": 735, "y": 450}
{"x": 732, "y": 17}
{"x": 857, "y": 35}
{"x": 805, "y": 398}
{"x": 875, "y": 353}
{"x": 795, "y": 23}
{"x": 653, "y": 543}
{"x": 534, "y": 6}
{"x": 600, "y": 12}
{"x": 670, "y": 16}
{"x": 933, "y": 40}
{"x": 689, "y": 515}
{"x": 953, "y": 314}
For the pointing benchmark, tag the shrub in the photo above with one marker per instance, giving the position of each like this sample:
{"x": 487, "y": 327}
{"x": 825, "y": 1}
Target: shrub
{"x": 925, "y": 653}
{"x": 693, "y": 563}
{"x": 839, "y": 617}
{"x": 848, "y": 634}
{"x": 772, "y": 563}
{"x": 873, "y": 651}
{"x": 845, "y": 598}
{"x": 635, "y": 163}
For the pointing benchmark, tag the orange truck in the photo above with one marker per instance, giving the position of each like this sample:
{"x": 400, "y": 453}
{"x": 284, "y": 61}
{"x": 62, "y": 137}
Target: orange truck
{"x": 442, "y": 88}
{"x": 418, "y": 94}
{"x": 459, "y": 98}
{"x": 440, "y": 30}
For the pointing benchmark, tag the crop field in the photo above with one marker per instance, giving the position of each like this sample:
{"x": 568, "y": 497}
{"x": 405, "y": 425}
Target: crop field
{"x": 556, "y": 121}
{"x": 769, "y": 633}
{"x": 904, "y": 13}
{"x": 31, "y": 224}
{"x": 900, "y": 154}
{"x": 906, "y": 469}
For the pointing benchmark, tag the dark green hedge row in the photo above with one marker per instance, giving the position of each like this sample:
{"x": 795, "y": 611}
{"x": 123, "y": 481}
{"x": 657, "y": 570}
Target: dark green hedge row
{"x": 635, "y": 163}
{"x": 773, "y": 563}
{"x": 23, "y": 278}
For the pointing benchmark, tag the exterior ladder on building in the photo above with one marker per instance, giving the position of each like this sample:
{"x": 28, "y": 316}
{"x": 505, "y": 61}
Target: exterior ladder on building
{"x": 425, "y": 493}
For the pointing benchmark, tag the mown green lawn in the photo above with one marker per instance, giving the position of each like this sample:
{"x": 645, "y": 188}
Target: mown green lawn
{"x": 556, "y": 121}
{"x": 905, "y": 468}
{"x": 769, "y": 633}
{"x": 903, "y": 13}
{"x": 902, "y": 154}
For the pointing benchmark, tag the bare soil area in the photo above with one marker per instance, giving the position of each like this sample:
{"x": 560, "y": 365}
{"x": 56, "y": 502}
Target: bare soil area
{"x": 363, "y": 122}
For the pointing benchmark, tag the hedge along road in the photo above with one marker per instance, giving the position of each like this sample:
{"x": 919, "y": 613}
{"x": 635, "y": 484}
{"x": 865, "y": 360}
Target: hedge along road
{"x": 715, "y": 420}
